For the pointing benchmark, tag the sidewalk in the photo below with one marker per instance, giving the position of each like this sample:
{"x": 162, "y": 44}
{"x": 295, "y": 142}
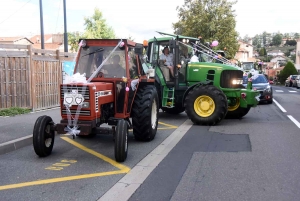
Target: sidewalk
{"x": 16, "y": 131}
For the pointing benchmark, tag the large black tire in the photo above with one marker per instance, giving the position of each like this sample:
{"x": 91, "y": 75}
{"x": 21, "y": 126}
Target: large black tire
{"x": 174, "y": 110}
{"x": 43, "y": 136}
{"x": 238, "y": 113}
{"x": 206, "y": 105}
{"x": 121, "y": 141}
{"x": 145, "y": 113}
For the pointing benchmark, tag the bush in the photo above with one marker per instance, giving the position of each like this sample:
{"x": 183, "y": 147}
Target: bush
{"x": 14, "y": 111}
{"x": 288, "y": 70}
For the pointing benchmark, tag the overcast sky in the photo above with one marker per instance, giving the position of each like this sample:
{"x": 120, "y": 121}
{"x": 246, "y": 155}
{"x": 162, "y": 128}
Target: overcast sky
{"x": 139, "y": 18}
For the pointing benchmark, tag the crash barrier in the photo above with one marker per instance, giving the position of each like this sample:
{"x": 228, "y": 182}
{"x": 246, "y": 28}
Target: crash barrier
{"x": 29, "y": 77}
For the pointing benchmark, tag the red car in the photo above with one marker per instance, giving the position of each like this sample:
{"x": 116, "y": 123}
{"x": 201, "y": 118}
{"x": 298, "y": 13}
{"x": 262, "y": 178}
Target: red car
{"x": 271, "y": 82}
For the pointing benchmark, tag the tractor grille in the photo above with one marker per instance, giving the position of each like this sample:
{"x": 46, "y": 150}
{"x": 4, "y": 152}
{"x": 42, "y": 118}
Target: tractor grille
{"x": 81, "y": 90}
{"x": 73, "y": 112}
{"x": 228, "y": 75}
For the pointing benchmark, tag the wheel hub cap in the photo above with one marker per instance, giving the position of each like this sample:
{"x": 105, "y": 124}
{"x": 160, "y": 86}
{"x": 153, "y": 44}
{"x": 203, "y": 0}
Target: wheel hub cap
{"x": 204, "y": 106}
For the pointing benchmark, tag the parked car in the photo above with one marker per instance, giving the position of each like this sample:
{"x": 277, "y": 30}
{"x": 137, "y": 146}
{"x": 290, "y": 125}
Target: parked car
{"x": 261, "y": 84}
{"x": 290, "y": 81}
{"x": 298, "y": 81}
{"x": 271, "y": 82}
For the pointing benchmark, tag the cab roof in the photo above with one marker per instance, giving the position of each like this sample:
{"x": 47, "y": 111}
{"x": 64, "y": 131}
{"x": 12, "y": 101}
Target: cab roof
{"x": 170, "y": 36}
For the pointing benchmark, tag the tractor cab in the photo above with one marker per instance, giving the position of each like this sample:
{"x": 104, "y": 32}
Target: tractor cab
{"x": 112, "y": 61}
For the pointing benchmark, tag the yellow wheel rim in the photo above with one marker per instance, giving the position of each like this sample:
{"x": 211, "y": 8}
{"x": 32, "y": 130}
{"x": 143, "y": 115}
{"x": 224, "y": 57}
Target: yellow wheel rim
{"x": 236, "y": 106}
{"x": 204, "y": 106}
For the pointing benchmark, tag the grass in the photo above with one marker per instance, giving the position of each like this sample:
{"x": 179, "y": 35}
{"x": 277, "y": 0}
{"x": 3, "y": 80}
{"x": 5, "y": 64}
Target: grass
{"x": 14, "y": 111}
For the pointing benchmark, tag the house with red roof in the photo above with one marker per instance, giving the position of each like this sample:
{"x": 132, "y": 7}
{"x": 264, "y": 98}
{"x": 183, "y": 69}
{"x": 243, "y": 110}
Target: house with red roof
{"x": 245, "y": 52}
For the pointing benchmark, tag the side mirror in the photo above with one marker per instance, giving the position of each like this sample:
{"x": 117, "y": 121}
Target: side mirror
{"x": 138, "y": 49}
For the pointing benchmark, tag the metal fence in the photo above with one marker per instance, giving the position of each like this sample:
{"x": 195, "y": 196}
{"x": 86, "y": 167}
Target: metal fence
{"x": 30, "y": 78}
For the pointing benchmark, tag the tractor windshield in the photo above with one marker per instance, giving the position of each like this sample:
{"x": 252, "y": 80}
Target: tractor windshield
{"x": 92, "y": 57}
{"x": 247, "y": 66}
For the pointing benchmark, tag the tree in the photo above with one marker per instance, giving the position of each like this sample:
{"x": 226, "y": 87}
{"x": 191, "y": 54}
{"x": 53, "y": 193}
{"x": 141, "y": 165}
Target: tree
{"x": 95, "y": 27}
{"x": 264, "y": 38}
{"x": 255, "y": 40}
{"x": 212, "y": 20}
{"x": 73, "y": 38}
{"x": 291, "y": 42}
{"x": 246, "y": 38}
{"x": 262, "y": 52}
{"x": 296, "y": 36}
{"x": 277, "y": 39}
{"x": 288, "y": 70}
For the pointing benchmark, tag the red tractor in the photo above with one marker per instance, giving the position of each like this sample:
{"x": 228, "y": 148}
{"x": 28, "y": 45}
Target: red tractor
{"x": 118, "y": 93}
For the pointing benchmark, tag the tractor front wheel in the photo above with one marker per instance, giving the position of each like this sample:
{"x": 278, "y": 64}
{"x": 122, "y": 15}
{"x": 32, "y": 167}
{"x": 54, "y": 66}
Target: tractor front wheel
{"x": 43, "y": 136}
{"x": 121, "y": 141}
{"x": 145, "y": 113}
{"x": 206, "y": 105}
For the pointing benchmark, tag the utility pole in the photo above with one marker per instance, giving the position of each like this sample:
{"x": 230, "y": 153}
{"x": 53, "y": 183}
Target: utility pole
{"x": 42, "y": 25}
{"x": 65, "y": 29}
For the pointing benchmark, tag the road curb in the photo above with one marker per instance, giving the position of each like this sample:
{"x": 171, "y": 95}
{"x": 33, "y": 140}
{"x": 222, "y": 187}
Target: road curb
{"x": 126, "y": 186}
{"x": 15, "y": 144}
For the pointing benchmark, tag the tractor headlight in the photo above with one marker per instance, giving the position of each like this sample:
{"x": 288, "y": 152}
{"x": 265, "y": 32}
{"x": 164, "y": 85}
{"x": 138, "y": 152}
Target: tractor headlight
{"x": 237, "y": 81}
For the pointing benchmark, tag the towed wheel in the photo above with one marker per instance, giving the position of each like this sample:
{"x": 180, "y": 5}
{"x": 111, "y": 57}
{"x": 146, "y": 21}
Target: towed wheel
{"x": 121, "y": 141}
{"x": 206, "y": 105}
{"x": 43, "y": 136}
{"x": 237, "y": 113}
{"x": 145, "y": 113}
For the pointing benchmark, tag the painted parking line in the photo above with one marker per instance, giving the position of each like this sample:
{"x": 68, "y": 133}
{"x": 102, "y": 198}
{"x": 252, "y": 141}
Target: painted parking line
{"x": 122, "y": 170}
{"x": 293, "y": 91}
{"x": 279, "y": 90}
{"x": 166, "y": 126}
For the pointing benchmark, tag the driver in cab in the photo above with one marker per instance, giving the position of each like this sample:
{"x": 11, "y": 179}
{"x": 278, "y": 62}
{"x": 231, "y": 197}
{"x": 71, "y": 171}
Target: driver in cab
{"x": 114, "y": 69}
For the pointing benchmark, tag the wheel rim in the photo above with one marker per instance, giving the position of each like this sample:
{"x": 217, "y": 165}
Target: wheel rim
{"x": 236, "y": 106}
{"x": 48, "y": 139}
{"x": 204, "y": 106}
{"x": 153, "y": 114}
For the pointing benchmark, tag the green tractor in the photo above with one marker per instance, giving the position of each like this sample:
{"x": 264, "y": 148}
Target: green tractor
{"x": 203, "y": 83}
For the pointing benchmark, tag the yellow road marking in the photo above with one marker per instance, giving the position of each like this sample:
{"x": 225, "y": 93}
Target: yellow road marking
{"x": 123, "y": 168}
{"x": 106, "y": 159}
{"x": 61, "y": 179}
{"x": 168, "y": 125}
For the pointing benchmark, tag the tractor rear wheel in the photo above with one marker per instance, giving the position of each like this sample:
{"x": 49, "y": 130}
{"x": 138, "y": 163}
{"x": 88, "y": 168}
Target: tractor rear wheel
{"x": 145, "y": 113}
{"x": 121, "y": 141}
{"x": 206, "y": 105}
{"x": 43, "y": 136}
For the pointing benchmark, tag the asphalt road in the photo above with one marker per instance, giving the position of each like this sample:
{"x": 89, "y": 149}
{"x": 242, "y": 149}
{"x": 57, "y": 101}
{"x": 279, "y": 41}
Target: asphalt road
{"x": 254, "y": 158}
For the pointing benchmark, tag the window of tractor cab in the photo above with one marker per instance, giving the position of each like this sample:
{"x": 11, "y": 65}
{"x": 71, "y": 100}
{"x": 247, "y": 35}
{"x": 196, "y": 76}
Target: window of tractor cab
{"x": 92, "y": 57}
{"x": 133, "y": 71}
